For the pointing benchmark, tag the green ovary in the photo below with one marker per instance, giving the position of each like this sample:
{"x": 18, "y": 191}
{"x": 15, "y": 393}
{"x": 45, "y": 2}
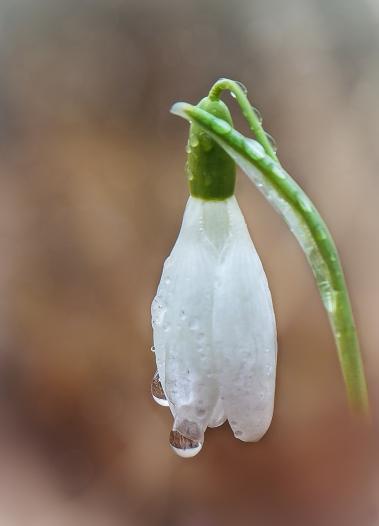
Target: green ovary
{"x": 211, "y": 172}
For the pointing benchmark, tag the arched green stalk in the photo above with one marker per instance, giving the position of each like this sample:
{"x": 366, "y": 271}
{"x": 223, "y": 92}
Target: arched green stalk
{"x": 285, "y": 195}
{"x": 254, "y": 121}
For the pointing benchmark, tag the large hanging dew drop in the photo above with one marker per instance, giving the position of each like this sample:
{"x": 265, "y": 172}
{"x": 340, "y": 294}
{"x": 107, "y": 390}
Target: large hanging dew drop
{"x": 184, "y": 447}
{"x": 157, "y": 391}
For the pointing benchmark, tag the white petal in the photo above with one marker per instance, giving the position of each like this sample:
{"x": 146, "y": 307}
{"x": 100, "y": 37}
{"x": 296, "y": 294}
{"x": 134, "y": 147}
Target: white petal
{"x": 182, "y": 326}
{"x": 244, "y": 333}
{"x": 218, "y": 416}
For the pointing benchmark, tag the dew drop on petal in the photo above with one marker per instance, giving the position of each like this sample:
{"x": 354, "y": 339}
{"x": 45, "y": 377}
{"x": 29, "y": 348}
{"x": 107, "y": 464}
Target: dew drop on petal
{"x": 201, "y": 338}
{"x": 157, "y": 391}
{"x": 268, "y": 370}
{"x": 194, "y": 324}
{"x": 184, "y": 447}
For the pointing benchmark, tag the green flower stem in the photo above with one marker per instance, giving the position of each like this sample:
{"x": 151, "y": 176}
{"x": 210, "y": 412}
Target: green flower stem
{"x": 254, "y": 121}
{"x": 310, "y": 230}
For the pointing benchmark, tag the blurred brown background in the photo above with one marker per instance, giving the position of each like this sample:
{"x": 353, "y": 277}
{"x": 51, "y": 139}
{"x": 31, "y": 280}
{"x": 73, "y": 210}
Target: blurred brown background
{"x": 92, "y": 194}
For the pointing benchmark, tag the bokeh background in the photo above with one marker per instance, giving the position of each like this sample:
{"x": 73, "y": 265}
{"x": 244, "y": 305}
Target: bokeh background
{"x": 92, "y": 195}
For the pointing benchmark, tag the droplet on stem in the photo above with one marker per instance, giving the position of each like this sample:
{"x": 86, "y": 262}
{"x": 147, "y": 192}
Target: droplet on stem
{"x": 254, "y": 149}
{"x": 221, "y": 127}
{"x": 194, "y": 141}
{"x": 242, "y": 86}
{"x": 184, "y": 447}
{"x": 157, "y": 391}
{"x": 271, "y": 140}
{"x": 258, "y": 115}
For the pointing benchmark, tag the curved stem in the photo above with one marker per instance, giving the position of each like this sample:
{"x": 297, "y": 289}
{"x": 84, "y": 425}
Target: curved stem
{"x": 286, "y": 196}
{"x": 253, "y": 120}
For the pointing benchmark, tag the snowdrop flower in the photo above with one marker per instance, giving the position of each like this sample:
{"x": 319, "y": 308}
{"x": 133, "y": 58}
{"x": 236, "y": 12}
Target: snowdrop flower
{"x": 213, "y": 321}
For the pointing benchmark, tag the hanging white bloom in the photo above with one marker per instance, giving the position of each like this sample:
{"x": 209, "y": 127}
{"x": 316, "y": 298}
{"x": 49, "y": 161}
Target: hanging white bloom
{"x": 214, "y": 328}
{"x": 213, "y": 321}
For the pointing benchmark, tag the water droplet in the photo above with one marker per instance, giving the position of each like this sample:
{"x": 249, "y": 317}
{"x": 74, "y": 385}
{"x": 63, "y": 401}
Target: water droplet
{"x": 258, "y": 115}
{"x": 321, "y": 234}
{"x": 188, "y": 148}
{"x": 271, "y": 140}
{"x": 261, "y": 395}
{"x": 183, "y": 316}
{"x": 268, "y": 370}
{"x": 254, "y": 149}
{"x": 167, "y": 281}
{"x": 152, "y": 348}
{"x": 201, "y": 337}
{"x": 220, "y": 126}
{"x": 184, "y": 447}
{"x": 157, "y": 391}
{"x": 242, "y": 86}
{"x": 304, "y": 203}
{"x": 278, "y": 171}
{"x": 194, "y": 324}
{"x": 238, "y": 433}
{"x": 194, "y": 140}
{"x": 328, "y": 296}
{"x": 166, "y": 327}
{"x": 206, "y": 143}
